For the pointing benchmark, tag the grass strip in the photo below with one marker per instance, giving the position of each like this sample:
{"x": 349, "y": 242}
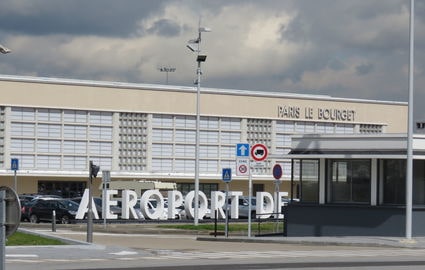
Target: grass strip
{"x": 25, "y": 239}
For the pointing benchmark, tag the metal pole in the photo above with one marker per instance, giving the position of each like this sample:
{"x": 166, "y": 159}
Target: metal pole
{"x": 409, "y": 174}
{"x": 198, "y": 120}
{"x": 16, "y": 182}
{"x": 90, "y": 210}
{"x": 2, "y": 229}
{"x": 226, "y": 228}
{"x": 249, "y": 198}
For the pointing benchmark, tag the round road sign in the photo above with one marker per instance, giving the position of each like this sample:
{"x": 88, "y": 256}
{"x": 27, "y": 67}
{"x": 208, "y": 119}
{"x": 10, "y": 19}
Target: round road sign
{"x": 259, "y": 152}
{"x": 13, "y": 210}
{"x": 277, "y": 171}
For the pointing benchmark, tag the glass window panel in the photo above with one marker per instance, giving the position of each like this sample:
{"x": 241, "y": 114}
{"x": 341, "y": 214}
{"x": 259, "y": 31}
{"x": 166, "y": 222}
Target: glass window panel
{"x": 310, "y": 181}
{"x": 48, "y": 146}
{"x": 209, "y": 166}
{"x": 23, "y": 145}
{"x": 161, "y": 165}
{"x": 23, "y": 129}
{"x": 227, "y": 152}
{"x": 49, "y": 131}
{"x": 162, "y": 135}
{"x": 208, "y": 151}
{"x": 49, "y": 162}
{"x": 208, "y": 136}
{"x": 23, "y": 114}
{"x": 350, "y": 181}
{"x": 285, "y": 126}
{"x": 162, "y": 121}
{"x": 209, "y": 122}
{"x": 231, "y": 123}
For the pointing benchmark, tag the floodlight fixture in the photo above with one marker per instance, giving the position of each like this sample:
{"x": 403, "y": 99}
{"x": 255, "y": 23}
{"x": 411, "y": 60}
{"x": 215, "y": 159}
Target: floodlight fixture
{"x": 192, "y": 48}
{"x": 4, "y": 50}
{"x": 201, "y": 58}
{"x": 204, "y": 29}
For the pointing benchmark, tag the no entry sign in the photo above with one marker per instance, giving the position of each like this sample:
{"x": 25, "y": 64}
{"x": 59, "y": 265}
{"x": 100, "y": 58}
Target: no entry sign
{"x": 259, "y": 152}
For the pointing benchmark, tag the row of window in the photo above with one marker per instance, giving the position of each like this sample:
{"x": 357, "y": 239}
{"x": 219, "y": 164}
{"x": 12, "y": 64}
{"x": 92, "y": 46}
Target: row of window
{"x": 349, "y": 181}
{"x": 55, "y": 115}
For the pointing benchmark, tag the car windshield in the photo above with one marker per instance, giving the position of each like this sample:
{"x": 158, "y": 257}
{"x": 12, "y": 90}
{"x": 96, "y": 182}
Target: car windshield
{"x": 69, "y": 205}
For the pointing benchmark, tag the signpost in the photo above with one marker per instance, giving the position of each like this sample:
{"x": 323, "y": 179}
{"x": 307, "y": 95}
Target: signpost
{"x": 106, "y": 178}
{"x": 14, "y": 165}
{"x": 277, "y": 174}
{"x": 10, "y": 218}
{"x": 227, "y": 178}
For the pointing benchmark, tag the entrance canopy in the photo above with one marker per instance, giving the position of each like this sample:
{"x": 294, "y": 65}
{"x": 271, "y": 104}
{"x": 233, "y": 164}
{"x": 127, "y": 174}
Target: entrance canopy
{"x": 356, "y": 146}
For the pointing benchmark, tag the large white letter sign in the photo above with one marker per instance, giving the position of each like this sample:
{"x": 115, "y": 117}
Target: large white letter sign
{"x": 203, "y": 204}
{"x": 84, "y": 206}
{"x": 218, "y": 202}
{"x": 129, "y": 200}
{"x": 153, "y": 213}
{"x": 278, "y": 202}
{"x": 106, "y": 212}
{"x": 175, "y": 200}
{"x": 265, "y": 205}
{"x": 234, "y": 202}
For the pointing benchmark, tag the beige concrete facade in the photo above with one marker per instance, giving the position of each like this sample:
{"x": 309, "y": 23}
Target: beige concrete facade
{"x": 63, "y": 94}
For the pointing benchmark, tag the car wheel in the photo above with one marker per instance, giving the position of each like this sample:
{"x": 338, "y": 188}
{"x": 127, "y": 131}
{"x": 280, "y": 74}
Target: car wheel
{"x": 65, "y": 219}
{"x": 34, "y": 219}
{"x": 253, "y": 215}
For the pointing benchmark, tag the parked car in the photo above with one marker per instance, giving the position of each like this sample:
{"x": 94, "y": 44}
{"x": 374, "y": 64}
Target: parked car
{"x": 42, "y": 210}
{"x": 27, "y": 200}
{"x": 116, "y": 210}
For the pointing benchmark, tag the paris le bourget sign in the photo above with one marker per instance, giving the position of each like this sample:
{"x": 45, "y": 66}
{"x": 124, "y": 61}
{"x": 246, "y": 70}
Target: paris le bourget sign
{"x": 176, "y": 200}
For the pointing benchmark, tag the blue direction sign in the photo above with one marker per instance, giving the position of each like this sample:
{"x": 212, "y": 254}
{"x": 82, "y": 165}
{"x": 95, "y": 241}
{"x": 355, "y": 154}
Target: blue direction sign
{"x": 14, "y": 164}
{"x": 242, "y": 150}
{"x": 227, "y": 175}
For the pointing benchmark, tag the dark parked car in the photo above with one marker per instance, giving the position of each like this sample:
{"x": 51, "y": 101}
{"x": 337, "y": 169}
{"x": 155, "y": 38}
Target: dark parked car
{"x": 42, "y": 210}
{"x": 98, "y": 204}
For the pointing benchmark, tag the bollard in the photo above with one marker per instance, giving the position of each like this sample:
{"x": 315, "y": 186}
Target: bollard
{"x": 215, "y": 223}
{"x": 54, "y": 221}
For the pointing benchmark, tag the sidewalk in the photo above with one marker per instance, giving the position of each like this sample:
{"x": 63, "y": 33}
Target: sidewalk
{"x": 152, "y": 229}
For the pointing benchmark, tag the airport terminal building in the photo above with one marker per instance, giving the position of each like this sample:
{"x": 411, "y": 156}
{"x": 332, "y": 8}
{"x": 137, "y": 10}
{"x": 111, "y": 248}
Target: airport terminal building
{"x": 54, "y": 127}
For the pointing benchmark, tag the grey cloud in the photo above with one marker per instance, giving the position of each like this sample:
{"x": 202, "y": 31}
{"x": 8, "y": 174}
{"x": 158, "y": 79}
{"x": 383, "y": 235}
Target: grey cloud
{"x": 364, "y": 69}
{"x": 93, "y": 17}
{"x": 165, "y": 27}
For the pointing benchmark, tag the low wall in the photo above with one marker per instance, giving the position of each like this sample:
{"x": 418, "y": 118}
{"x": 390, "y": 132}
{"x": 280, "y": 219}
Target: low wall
{"x": 351, "y": 220}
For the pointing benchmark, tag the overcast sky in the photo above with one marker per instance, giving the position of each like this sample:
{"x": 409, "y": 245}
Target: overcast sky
{"x": 343, "y": 48}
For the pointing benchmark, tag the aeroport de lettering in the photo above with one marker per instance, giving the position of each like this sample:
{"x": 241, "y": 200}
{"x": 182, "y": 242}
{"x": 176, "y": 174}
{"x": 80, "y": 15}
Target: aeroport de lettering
{"x": 176, "y": 199}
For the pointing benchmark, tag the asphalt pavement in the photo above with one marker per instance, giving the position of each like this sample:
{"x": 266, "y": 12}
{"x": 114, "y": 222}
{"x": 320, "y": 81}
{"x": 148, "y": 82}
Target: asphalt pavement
{"x": 155, "y": 229}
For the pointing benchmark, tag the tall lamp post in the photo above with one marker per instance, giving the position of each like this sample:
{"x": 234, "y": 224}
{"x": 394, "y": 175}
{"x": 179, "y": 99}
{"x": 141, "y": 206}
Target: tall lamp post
{"x": 167, "y": 70}
{"x": 195, "y": 46}
{"x": 409, "y": 169}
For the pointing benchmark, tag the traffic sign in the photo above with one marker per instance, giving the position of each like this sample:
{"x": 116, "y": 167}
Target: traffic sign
{"x": 277, "y": 171}
{"x": 242, "y": 150}
{"x": 227, "y": 175}
{"x": 242, "y": 167}
{"x": 259, "y": 152}
{"x": 14, "y": 164}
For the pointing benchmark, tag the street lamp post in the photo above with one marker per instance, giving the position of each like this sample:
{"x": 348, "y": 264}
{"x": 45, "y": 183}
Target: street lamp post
{"x": 409, "y": 169}
{"x": 167, "y": 70}
{"x": 195, "y": 46}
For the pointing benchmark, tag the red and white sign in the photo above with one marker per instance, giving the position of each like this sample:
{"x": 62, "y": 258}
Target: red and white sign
{"x": 259, "y": 152}
{"x": 242, "y": 167}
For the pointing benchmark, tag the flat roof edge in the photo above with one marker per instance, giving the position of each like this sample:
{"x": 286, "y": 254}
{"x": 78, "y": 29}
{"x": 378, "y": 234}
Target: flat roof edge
{"x": 159, "y": 87}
